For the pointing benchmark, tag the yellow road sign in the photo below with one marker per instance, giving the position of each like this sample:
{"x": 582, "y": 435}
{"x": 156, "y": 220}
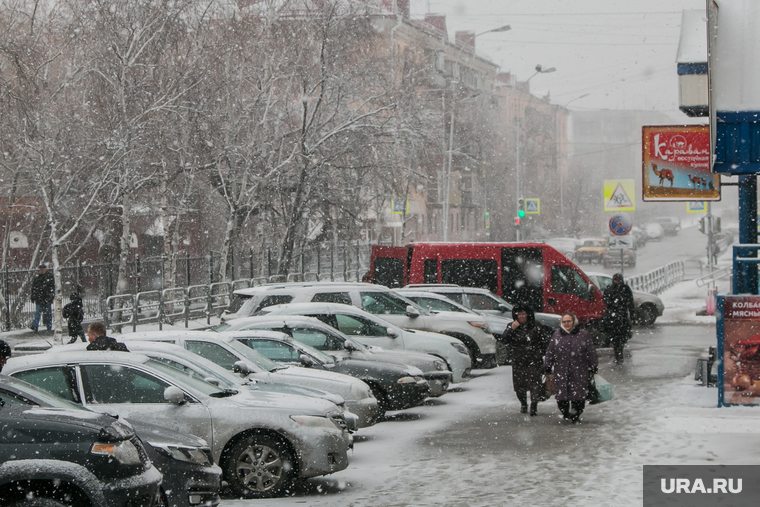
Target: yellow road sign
{"x": 696, "y": 207}
{"x": 532, "y": 206}
{"x": 619, "y": 195}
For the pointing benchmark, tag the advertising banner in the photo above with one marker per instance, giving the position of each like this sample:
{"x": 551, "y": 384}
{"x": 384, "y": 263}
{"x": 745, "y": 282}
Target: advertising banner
{"x": 676, "y": 164}
{"x": 738, "y": 327}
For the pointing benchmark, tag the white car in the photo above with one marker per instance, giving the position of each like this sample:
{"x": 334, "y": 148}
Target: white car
{"x": 654, "y": 231}
{"x": 261, "y": 450}
{"x": 566, "y": 246}
{"x": 372, "y": 330}
{"x": 262, "y": 392}
{"x": 648, "y": 306}
{"x": 472, "y": 330}
{"x": 327, "y": 339}
{"x": 224, "y": 350}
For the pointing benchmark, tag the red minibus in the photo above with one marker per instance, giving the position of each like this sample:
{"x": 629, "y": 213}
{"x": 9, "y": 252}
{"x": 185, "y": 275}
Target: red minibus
{"x": 530, "y": 272}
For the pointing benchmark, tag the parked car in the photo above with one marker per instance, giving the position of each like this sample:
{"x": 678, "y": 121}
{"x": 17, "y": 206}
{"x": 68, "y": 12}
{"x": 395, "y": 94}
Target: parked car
{"x": 670, "y": 225}
{"x": 327, "y": 339}
{"x": 640, "y": 237}
{"x": 260, "y": 450}
{"x": 224, "y": 350}
{"x": 190, "y": 477}
{"x": 372, "y": 330}
{"x": 395, "y": 387}
{"x": 648, "y": 306}
{"x": 612, "y": 257}
{"x": 377, "y": 300}
{"x": 435, "y": 303}
{"x": 482, "y": 301}
{"x": 262, "y": 393}
{"x": 654, "y": 231}
{"x": 591, "y": 251}
{"x": 71, "y": 458}
{"x": 566, "y": 246}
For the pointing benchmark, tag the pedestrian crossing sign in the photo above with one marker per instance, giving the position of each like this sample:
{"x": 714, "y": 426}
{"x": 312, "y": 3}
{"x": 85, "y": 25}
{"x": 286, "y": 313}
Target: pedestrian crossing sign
{"x": 399, "y": 206}
{"x": 532, "y": 206}
{"x": 619, "y": 195}
{"x": 696, "y": 207}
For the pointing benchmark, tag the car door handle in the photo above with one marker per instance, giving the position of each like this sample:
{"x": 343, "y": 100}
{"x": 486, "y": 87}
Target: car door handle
{"x": 551, "y": 301}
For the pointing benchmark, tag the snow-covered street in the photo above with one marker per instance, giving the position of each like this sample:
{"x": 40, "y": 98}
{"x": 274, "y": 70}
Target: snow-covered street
{"x": 472, "y": 447}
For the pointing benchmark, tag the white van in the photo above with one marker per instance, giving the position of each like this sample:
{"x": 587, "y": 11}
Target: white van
{"x": 378, "y": 300}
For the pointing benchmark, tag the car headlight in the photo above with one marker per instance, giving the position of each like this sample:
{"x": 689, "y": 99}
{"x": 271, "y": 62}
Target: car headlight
{"x": 459, "y": 347}
{"x": 440, "y": 365}
{"x": 313, "y": 421}
{"x": 124, "y": 452}
{"x": 183, "y": 453}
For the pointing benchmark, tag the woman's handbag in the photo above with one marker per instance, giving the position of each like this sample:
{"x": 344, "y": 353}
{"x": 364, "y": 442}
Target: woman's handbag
{"x": 599, "y": 390}
{"x": 547, "y": 388}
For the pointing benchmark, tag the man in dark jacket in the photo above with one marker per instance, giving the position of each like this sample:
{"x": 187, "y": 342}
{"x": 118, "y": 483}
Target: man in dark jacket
{"x": 618, "y": 297}
{"x": 43, "y": 293}
{"x": 96, "y": 334}
{"x": 74, "y": 314}
{"x": 528, "y": 340}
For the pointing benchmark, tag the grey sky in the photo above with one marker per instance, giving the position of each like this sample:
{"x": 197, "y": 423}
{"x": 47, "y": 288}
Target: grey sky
{"x": 621, "y": 52}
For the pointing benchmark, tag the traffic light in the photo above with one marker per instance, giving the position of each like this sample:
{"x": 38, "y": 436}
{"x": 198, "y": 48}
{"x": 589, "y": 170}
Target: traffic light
{"x": 517, "y": 221}
{"x": 520, "y": 209}
{"x": 716, "y": 224}
{"x": 702, "y": 224}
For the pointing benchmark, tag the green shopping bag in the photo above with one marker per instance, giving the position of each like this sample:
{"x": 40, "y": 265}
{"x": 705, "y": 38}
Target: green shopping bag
{"x": 599, "y": 390}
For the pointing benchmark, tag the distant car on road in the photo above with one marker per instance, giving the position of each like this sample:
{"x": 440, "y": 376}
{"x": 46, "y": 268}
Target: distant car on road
{"x": 670, "y": 225}
{"x": 591, "y": 251}
{"x": 566, "y": 246}
{"x": 648, "y": 306}
{"x": 612, "y": 257}
{"x": 654, "y": 231}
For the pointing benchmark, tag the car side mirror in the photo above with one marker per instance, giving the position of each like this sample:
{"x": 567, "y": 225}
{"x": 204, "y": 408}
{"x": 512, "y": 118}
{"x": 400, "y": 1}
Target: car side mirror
{"x": 212, "y": 381}
{"x": 591, "y": 292}
{"x": 349, "y": 346}
{"x": 412, "y": 312}
{"x": 392, "y": 332}
{"x": 242, "y": 368}
{"x": 306, "y": 361}
{"x": 502, "y": 308}
{"x": 174, "y": 394}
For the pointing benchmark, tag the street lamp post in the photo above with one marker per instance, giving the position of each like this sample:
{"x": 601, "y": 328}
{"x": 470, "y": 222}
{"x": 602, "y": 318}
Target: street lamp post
{"x": 447, "y": 168}
{"x": 518, "y": 168}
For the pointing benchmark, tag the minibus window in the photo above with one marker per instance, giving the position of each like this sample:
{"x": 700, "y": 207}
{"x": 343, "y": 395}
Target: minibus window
{"x": 522, "y": 276}
{"x": 389, "y": 271}
{"x": 430, "y": 271}
{"x": 480, "y": 273}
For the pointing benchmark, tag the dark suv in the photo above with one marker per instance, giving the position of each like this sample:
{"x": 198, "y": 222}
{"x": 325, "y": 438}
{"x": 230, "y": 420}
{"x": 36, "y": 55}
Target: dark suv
{"x": 71, "y": 458}
{"x": 189, "y": 475}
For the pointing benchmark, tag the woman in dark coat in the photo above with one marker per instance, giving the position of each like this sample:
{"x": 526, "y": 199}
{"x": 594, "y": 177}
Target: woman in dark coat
{"x": 528, "y": 340}
{"x": 572, "y": 355}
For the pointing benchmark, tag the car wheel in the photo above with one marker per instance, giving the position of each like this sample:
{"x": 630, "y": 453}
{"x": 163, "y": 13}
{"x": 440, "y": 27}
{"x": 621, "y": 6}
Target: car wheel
{"x": 382, "y": 398}
{"x": 258, "y": 466}
{"x": 647, "y": 315}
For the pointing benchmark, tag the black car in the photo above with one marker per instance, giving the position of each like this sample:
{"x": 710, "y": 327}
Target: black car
{"x": 395, "y": 386}
{"x": 189, "y": 475}
{"x": 62, "y": 457}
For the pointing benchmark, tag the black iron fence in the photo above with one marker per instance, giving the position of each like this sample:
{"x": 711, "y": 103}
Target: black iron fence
{"x": 197, "y": 277}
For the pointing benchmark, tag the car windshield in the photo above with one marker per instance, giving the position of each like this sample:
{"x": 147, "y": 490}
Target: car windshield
{"x": 220, "y": 328}
{"x": 183, "y": 377}
{"x": 200, "y": 367}
{"x": 437, "y": 305}
{"x": 45, "y": 396}
{"x": 592, "y": 243}
{"x": 253, "y": 356}
{"x": 379, "y": 303}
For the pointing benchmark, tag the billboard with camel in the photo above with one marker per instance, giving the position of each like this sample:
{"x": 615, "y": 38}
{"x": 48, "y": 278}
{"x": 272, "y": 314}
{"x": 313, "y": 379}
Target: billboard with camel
{"x": 676, "y": 164}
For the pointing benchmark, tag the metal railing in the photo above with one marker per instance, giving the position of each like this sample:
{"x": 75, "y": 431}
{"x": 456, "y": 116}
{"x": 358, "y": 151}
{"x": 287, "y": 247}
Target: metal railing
{"x": 659, "y": 279}
{"x": 718, "y": 274}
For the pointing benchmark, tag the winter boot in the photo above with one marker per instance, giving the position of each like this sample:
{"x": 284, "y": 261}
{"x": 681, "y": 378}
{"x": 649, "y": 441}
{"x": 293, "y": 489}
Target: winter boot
{"x": 533, "y": 407}
{"x": 523, "y": 397}
{"x": 34, "y": 329}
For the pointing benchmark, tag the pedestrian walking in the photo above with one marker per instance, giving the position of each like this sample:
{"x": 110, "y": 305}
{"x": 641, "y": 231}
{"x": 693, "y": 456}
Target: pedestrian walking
{"x": 96, "y": 334}
{"x": 528, "y": 340}
{"x": 43, "y": 293}
{"x": 73, "y": 312}
{"x": 618, "y": 299}
{"x": 572, "y": 357}
{"x": 5, "y": 353}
